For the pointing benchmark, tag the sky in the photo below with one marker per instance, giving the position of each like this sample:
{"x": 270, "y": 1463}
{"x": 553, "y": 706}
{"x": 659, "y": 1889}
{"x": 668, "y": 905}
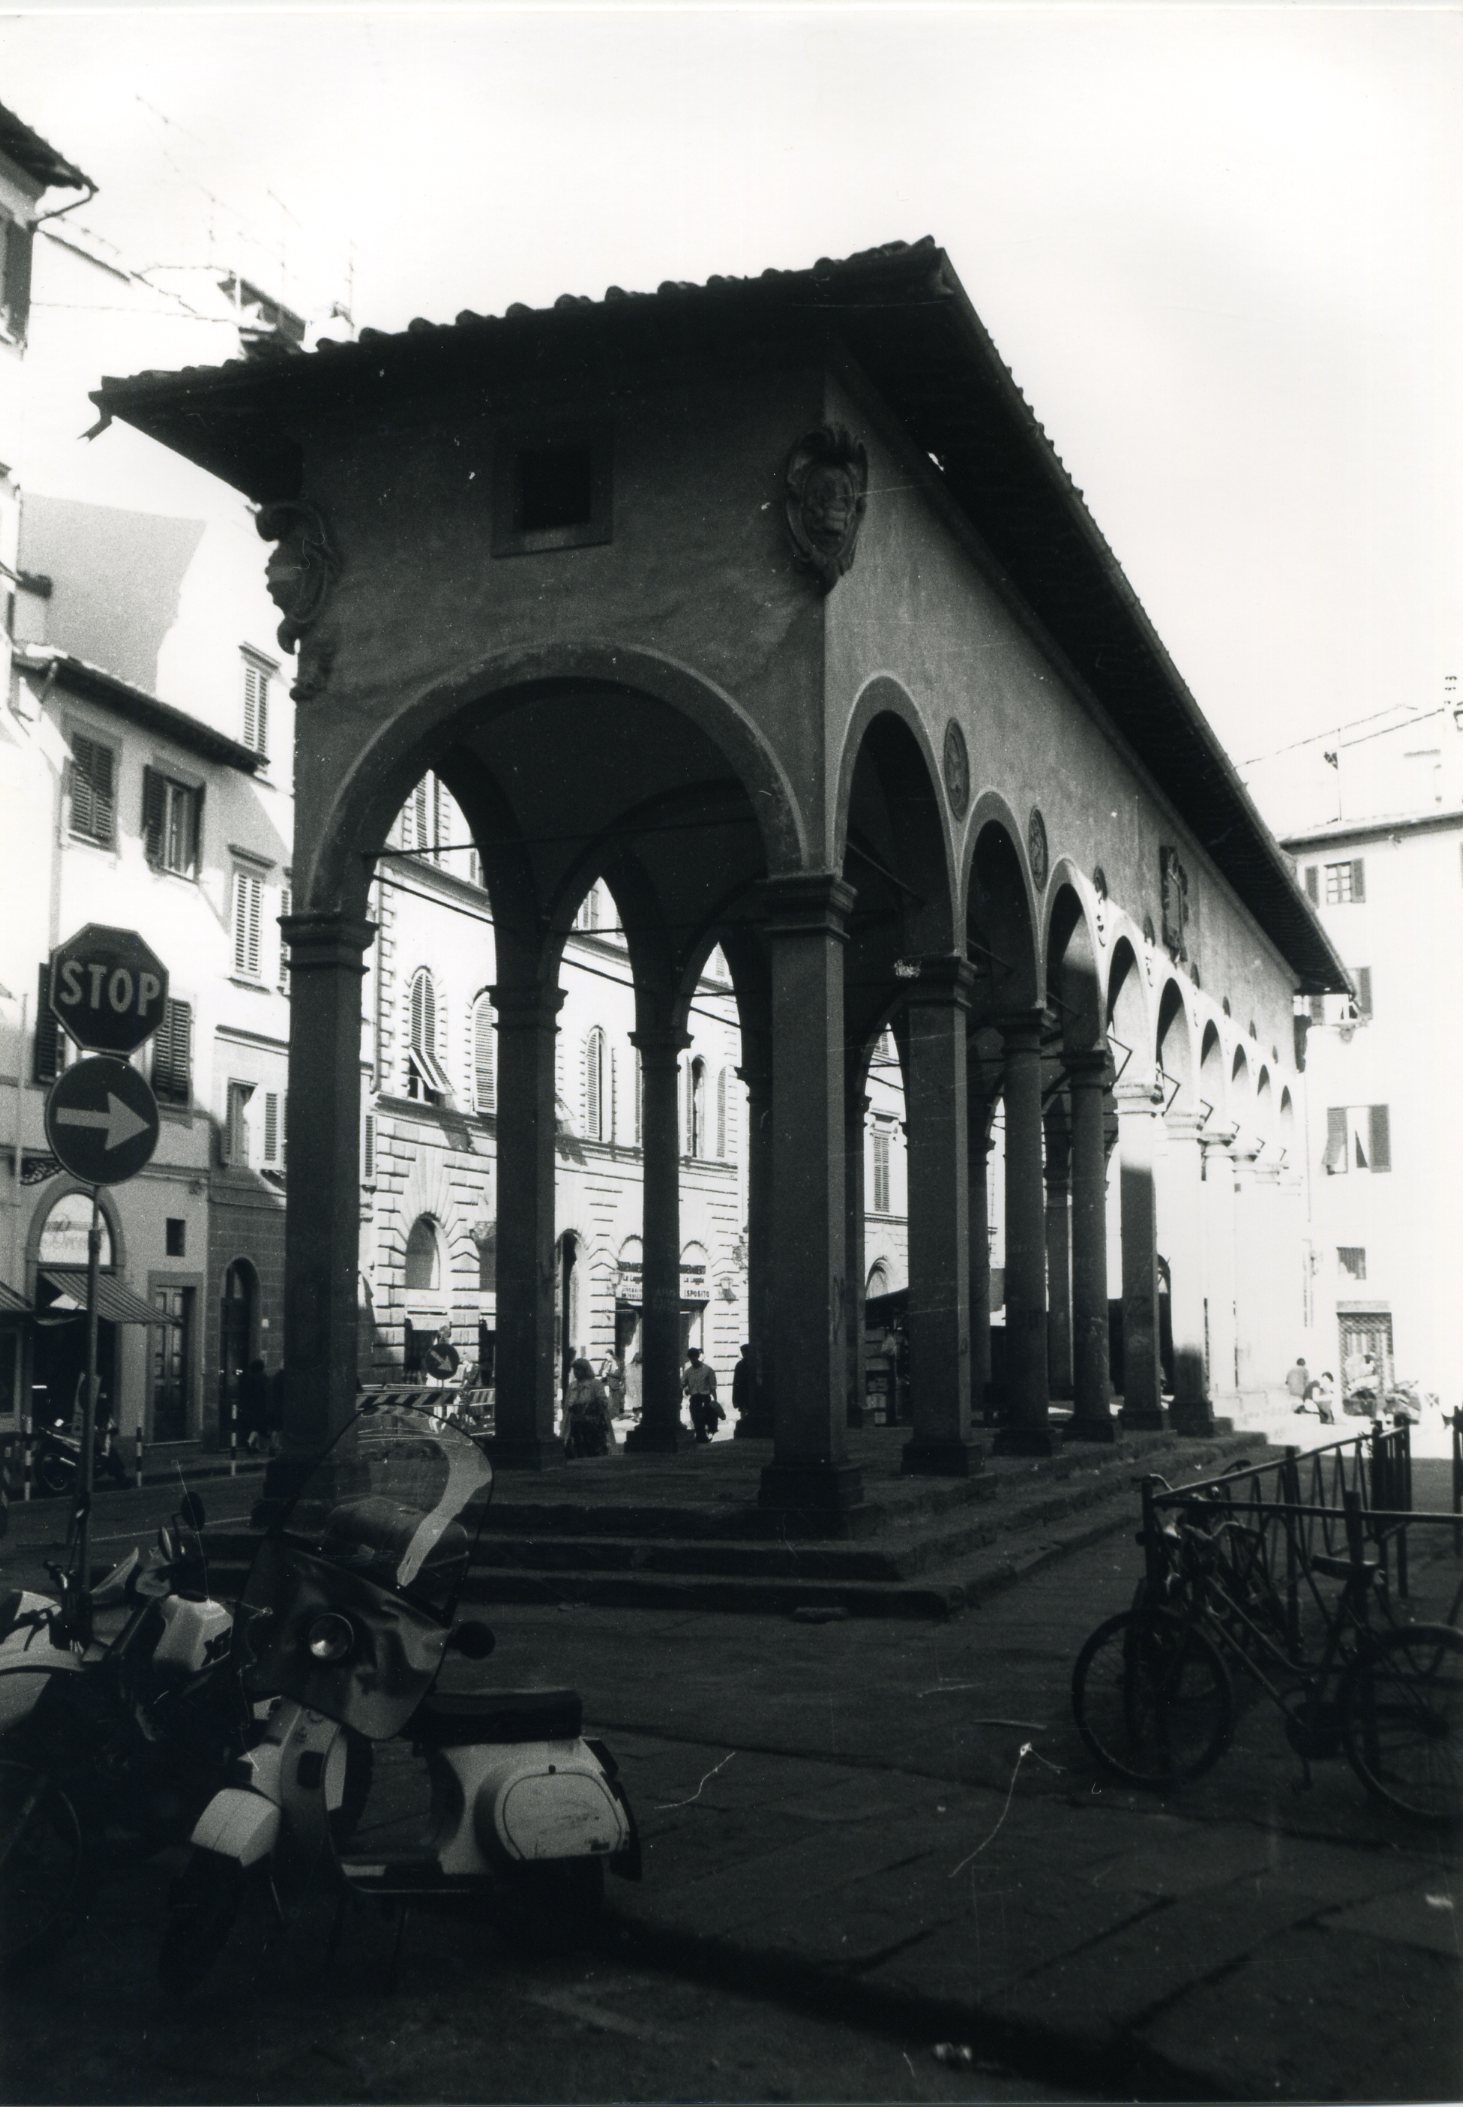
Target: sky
{"x": 1221, "y": 249}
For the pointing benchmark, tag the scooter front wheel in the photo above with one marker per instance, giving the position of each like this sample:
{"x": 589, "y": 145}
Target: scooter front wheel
{"x": 202, "y": 1911}
{"x": 54, "y": 1474}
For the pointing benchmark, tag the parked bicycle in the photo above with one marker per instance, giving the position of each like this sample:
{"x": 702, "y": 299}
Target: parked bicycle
{"x": 1154, "y": 1696}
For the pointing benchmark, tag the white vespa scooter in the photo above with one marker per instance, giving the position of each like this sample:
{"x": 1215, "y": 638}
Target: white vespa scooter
{"x": 345, "y": 1622}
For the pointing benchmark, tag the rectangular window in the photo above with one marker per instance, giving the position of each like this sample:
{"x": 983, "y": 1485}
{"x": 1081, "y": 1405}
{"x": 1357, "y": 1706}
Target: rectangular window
{"x": 172, "y": 818}
{"x": 1362, "y": 975}
{"x": 172, "y": 1055}
{"x": 248, "y": 890}
{"x": 257, "y": 672}
{"x": 286, "y": 899}
{"x": 51, "y": 1041}
{"x": 1358, "y": 1138}
{"x": 93, "y": 791}
{"x": 236, "y": 1125}
{"x": 175, "y": 1235}
{"x": 881, "y": 1171}
{"x": 16, "y": 244}
{"x": 1351, "y": 1260}
{"x": 1345, "y": 882}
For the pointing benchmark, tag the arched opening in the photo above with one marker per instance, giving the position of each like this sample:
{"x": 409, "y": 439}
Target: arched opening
{"x": 484, "y": 1056}
{"x": 58, "y": 1358}
{"x": 422, "y": 1264}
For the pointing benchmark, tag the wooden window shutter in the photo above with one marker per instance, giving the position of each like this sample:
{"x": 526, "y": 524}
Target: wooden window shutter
{"x": 271, "y": 1126}
{"x": 1381, "y": 1137}
{"x": 1335, "y": 1159}
{"x": 484, "y": 1079}
{"x": 154, "y": 798}
{"x": 92, "y": 790}
{"x": 1313, "y": 890}
{"x": 197, "y": 842}
{"x": 368, "y": 1150}
{"x": 50, "y": 1041}
{"x": 1362, "y": 975}
{"x": 172, "y": 1054}
{"x": 1358, "y": 879}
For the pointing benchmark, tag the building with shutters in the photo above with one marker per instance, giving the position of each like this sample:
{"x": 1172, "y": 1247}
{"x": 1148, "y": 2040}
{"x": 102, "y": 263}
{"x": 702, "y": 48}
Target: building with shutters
{"x": 1385, "y": 1124}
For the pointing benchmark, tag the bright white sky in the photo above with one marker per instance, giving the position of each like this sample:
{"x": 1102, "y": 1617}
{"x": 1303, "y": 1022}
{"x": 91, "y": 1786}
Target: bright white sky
{"x": 1220, "y": 248}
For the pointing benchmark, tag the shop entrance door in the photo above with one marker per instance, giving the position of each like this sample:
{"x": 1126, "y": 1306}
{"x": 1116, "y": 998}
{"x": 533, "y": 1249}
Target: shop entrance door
{"x": 172, "y": 1365}
{"x": 1369, "y": 1331}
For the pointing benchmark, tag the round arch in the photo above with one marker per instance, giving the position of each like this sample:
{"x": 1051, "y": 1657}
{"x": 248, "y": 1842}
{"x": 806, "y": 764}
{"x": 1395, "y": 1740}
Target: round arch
{"x": 1071, "y": 977}
{"x": 1126, "y": 1008}
{"x": 67, "y": 1189}
{"x": 889, "y": 793}
{"x": 374, "y": 782}
{"x": 1176, "y": 1048}
{"x": 1000, "y": 912}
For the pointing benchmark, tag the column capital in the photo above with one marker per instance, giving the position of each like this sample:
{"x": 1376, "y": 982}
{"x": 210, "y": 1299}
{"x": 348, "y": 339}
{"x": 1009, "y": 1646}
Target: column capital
{"x": 1137, "y": 1099}
{"x": 326, "y": 940}
{"x": 758, "y": 1081}
{"x": 1021, "y": 1030}
{"x": 1086, "y": 1070}
{"x": 661, "y": 1044}
{"x": 941, "y": 978}
{"x": 807, "y": 903}
{"x": 1184, "y": 1126}
{"x": 525, "y": 1008}
{"x": 1217, "y": 1140}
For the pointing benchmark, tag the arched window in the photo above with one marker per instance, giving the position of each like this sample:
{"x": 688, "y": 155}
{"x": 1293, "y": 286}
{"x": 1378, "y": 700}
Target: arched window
{"x": 878, "y": 1282}
{"x": 594, "y": 1085}
{"x": 484, "y": 1057}
{"x": 696, "y": 1109}
{"x": 424, "y": 1076}
{"x": 423, "y": 1255}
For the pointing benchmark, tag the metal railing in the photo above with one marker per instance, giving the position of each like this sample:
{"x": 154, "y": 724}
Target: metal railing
{"x": 1332, "y": 1501}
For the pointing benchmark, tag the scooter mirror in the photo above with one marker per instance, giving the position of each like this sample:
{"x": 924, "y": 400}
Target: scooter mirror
{"x": 472, "y": 1639}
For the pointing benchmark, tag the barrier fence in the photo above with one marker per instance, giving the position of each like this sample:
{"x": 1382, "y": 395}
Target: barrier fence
{"x": 1333, "y": 1501}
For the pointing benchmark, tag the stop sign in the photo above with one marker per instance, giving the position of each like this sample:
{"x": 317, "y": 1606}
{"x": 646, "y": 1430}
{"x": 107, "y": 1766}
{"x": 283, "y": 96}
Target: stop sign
{"x": 108, "y": 988}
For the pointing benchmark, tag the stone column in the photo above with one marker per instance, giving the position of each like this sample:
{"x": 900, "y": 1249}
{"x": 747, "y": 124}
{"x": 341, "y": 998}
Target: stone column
{"x": 937, "y": 1003}
{"x": 1092, "y": 1418}
{"x": 1058, "y": 1264}
{"x": 1138, "y": 1105}
{"x": 1183, "y": 1237}
{"x": 1027, "y": 1430}
{"x": 853, "y": 1231}
{"x": 806, "y": 925}
{"x": 1219, "y": 1258}
{"x": 323, "y": 1220}
{"x": 1276, "y": 1329}
{"x": 978, "y": 1126}
{"x": 661, "y": 1430}
{"x": 757, "y": 1424}
{"x": 1250, "y": 1266}
{"x": 527, "y": 1367}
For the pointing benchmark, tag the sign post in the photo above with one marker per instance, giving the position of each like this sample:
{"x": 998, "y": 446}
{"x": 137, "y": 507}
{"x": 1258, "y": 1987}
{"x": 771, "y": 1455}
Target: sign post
{"x": 109, "y": 990}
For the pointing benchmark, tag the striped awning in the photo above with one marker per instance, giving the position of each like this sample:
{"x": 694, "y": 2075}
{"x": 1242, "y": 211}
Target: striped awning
{"x": 115, "y": 1302}
{"x": 11, "y": 1304}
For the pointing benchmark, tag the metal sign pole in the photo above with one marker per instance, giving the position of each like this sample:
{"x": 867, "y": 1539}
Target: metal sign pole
{"x": 89, "y": 1403}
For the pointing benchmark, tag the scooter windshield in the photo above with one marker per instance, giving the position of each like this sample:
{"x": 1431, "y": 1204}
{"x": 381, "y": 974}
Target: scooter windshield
{"x": 349, "y": 1602}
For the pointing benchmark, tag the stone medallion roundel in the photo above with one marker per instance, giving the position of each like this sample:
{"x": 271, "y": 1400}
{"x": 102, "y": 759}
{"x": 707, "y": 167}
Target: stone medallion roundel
{"x": 957, "y": 769}
{"x": 1036, "y": 847}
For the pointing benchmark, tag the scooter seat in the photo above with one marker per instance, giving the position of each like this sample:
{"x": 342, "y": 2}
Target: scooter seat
{"x": 448, "y": 1718}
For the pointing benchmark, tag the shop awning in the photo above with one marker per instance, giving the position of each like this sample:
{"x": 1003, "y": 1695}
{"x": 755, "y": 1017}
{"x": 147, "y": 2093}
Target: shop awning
{"x": 11, "y": 1304}
{"x": 115, "y": 1302}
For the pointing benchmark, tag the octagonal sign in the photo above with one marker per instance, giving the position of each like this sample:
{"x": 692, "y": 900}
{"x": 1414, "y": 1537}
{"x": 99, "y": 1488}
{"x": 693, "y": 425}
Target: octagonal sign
{"x": 108, "y": 988}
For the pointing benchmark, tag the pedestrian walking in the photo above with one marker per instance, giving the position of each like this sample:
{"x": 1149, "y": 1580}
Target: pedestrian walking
{"x": 744, "y": 1385}
{"x": 587, "y": 1427}
{"x": 1298, "y": 1383}
{"x": 612, "y": 1375}
{"x": 698, "y": 1383}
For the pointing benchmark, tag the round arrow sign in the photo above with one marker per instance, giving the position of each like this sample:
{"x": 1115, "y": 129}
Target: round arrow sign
{"x": 102, "y": 1121}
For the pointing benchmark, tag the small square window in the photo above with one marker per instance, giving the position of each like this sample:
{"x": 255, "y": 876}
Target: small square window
{"x": 1351, "y": 1260}
{"x": 552, "y": 491}
{"x": 175, "y": 1232}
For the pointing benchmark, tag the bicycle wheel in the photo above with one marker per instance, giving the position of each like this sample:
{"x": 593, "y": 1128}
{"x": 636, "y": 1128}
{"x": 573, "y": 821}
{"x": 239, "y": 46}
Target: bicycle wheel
{"x": 44, "y": 1865}
{"x": 1402, "y": 1721}
{"x": 1152, "y": 1699}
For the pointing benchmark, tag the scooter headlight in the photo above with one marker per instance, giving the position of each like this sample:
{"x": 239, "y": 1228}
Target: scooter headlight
{"x": 330, "y": 1637}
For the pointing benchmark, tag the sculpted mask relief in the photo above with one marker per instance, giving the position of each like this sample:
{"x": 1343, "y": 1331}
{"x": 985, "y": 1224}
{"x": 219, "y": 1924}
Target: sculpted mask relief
{"x": 825, "y": 496}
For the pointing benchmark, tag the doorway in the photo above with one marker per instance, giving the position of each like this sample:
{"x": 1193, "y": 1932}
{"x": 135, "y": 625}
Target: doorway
{"x": 172, "y": 1365}
{"x": 1368, "y": 1331}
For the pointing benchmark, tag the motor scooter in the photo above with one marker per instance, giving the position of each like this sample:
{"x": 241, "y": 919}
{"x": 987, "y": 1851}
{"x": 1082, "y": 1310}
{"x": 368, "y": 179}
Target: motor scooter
{"x": 345, "y": 1623}
{"x": 58, "y": 1456}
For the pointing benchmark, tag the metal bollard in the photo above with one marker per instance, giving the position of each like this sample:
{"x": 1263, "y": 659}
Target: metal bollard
{"x": 233, "y": 1438}
{"x": 27, "y": 1457}
{"x": 137, "y": 1459}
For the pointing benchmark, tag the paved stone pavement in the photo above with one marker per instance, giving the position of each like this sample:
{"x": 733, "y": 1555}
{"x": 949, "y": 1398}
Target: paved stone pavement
{"x": 900, "y": 1820}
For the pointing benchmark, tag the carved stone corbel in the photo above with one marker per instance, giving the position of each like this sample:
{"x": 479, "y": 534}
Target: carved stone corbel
{"x": 301, "y": 570}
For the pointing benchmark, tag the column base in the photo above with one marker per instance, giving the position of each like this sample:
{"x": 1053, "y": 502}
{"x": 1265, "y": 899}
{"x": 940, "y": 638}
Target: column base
{"x": 1026, "y": 1441}
{"x": 659, "y": 1441}
{"x": 506, "y": 1453}
{"x": 941, "y": 1459}
{"x": 1192, "y": 1416}
{"x": 820, "y": 1488}
{"x": 1105, "y": 1429}
{"x": 1143, "y": 1419}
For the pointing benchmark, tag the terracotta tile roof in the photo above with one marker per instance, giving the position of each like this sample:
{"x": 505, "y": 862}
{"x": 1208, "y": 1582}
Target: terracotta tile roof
{"x": 902, "y": 314}
{"x": 40, "y": 160}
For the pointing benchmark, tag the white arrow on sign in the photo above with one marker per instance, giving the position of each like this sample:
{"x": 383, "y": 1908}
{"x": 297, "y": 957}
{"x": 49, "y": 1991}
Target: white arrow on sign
{"x": 119, "y": 1122}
